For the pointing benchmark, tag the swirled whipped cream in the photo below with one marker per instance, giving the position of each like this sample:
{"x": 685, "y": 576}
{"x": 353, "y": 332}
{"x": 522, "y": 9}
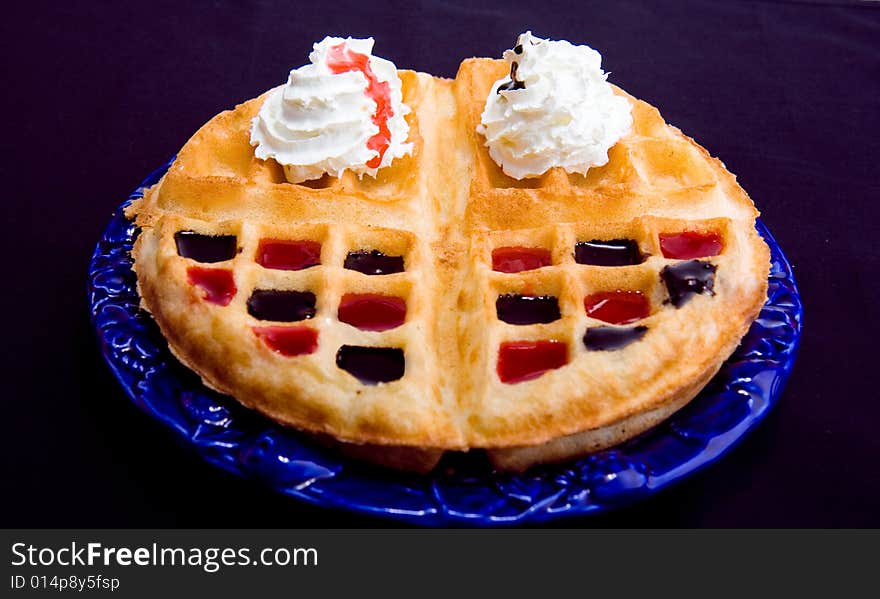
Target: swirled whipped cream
{"x": 343, "y": 111}
{"x": 555, "y": 109}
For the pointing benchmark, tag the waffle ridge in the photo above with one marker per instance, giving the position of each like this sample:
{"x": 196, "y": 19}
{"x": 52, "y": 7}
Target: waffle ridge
{"x": 445, "y": 209}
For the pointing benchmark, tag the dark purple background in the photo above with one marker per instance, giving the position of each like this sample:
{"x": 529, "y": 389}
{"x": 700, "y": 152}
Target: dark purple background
{"x": 786, "y": 93}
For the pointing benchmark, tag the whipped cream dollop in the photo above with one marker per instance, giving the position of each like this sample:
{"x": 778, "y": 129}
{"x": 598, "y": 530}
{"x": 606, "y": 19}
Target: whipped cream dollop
{"x": 343, "y": 111}
{"x": 555, "y": 109}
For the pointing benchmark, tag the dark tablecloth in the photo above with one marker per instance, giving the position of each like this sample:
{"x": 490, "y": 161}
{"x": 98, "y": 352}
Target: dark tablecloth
{"x": 95, "y": 97}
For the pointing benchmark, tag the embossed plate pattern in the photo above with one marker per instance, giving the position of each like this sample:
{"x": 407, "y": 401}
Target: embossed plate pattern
{"x": 463, "y": 490}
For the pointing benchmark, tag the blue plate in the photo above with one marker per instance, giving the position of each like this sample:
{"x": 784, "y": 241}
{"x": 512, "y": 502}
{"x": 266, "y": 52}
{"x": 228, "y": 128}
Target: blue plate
{"x": 464, "y": 490}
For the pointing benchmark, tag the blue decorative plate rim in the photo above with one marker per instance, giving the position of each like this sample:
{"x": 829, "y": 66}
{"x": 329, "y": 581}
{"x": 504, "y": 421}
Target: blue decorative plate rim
{"x": 465, "y": 492}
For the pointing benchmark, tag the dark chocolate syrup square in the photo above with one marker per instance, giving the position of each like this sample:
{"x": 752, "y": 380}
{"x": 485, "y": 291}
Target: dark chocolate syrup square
{"x": 371, "y": 365}
{"x": 281, "y": 306}
{"x": 687, "y": 279}
{"x": 373, "y": 262}
{"x": 611, "y": 252}
{"x": 612, "y": 338}
{"x": 206, "y": 248}
{"x": 527, "y": 309}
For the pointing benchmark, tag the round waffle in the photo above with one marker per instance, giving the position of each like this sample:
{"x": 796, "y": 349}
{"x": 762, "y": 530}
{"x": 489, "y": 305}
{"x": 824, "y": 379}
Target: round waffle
{"x": 443, "y": 305}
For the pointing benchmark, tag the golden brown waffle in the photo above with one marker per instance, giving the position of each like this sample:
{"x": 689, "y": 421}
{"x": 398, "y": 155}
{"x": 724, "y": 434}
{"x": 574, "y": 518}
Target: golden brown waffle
{"x": 444, "y": 210}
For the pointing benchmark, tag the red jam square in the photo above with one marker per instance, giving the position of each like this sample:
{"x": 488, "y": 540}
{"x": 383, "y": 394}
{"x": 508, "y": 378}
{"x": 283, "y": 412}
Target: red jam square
{"x": 289, "y": 341}
{"x": 518, "y": 259}
{"x": 216, "y": 283}
{"x": 690, "y": 244}
{"x": 617, "y": 307}
{"x": 371, "y": 311}
{"x": 520, "y": 361}
{"x": 281, "y": 254}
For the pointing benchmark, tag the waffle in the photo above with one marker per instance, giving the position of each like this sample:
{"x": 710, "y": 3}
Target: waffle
{"x": 442, "y": 214}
